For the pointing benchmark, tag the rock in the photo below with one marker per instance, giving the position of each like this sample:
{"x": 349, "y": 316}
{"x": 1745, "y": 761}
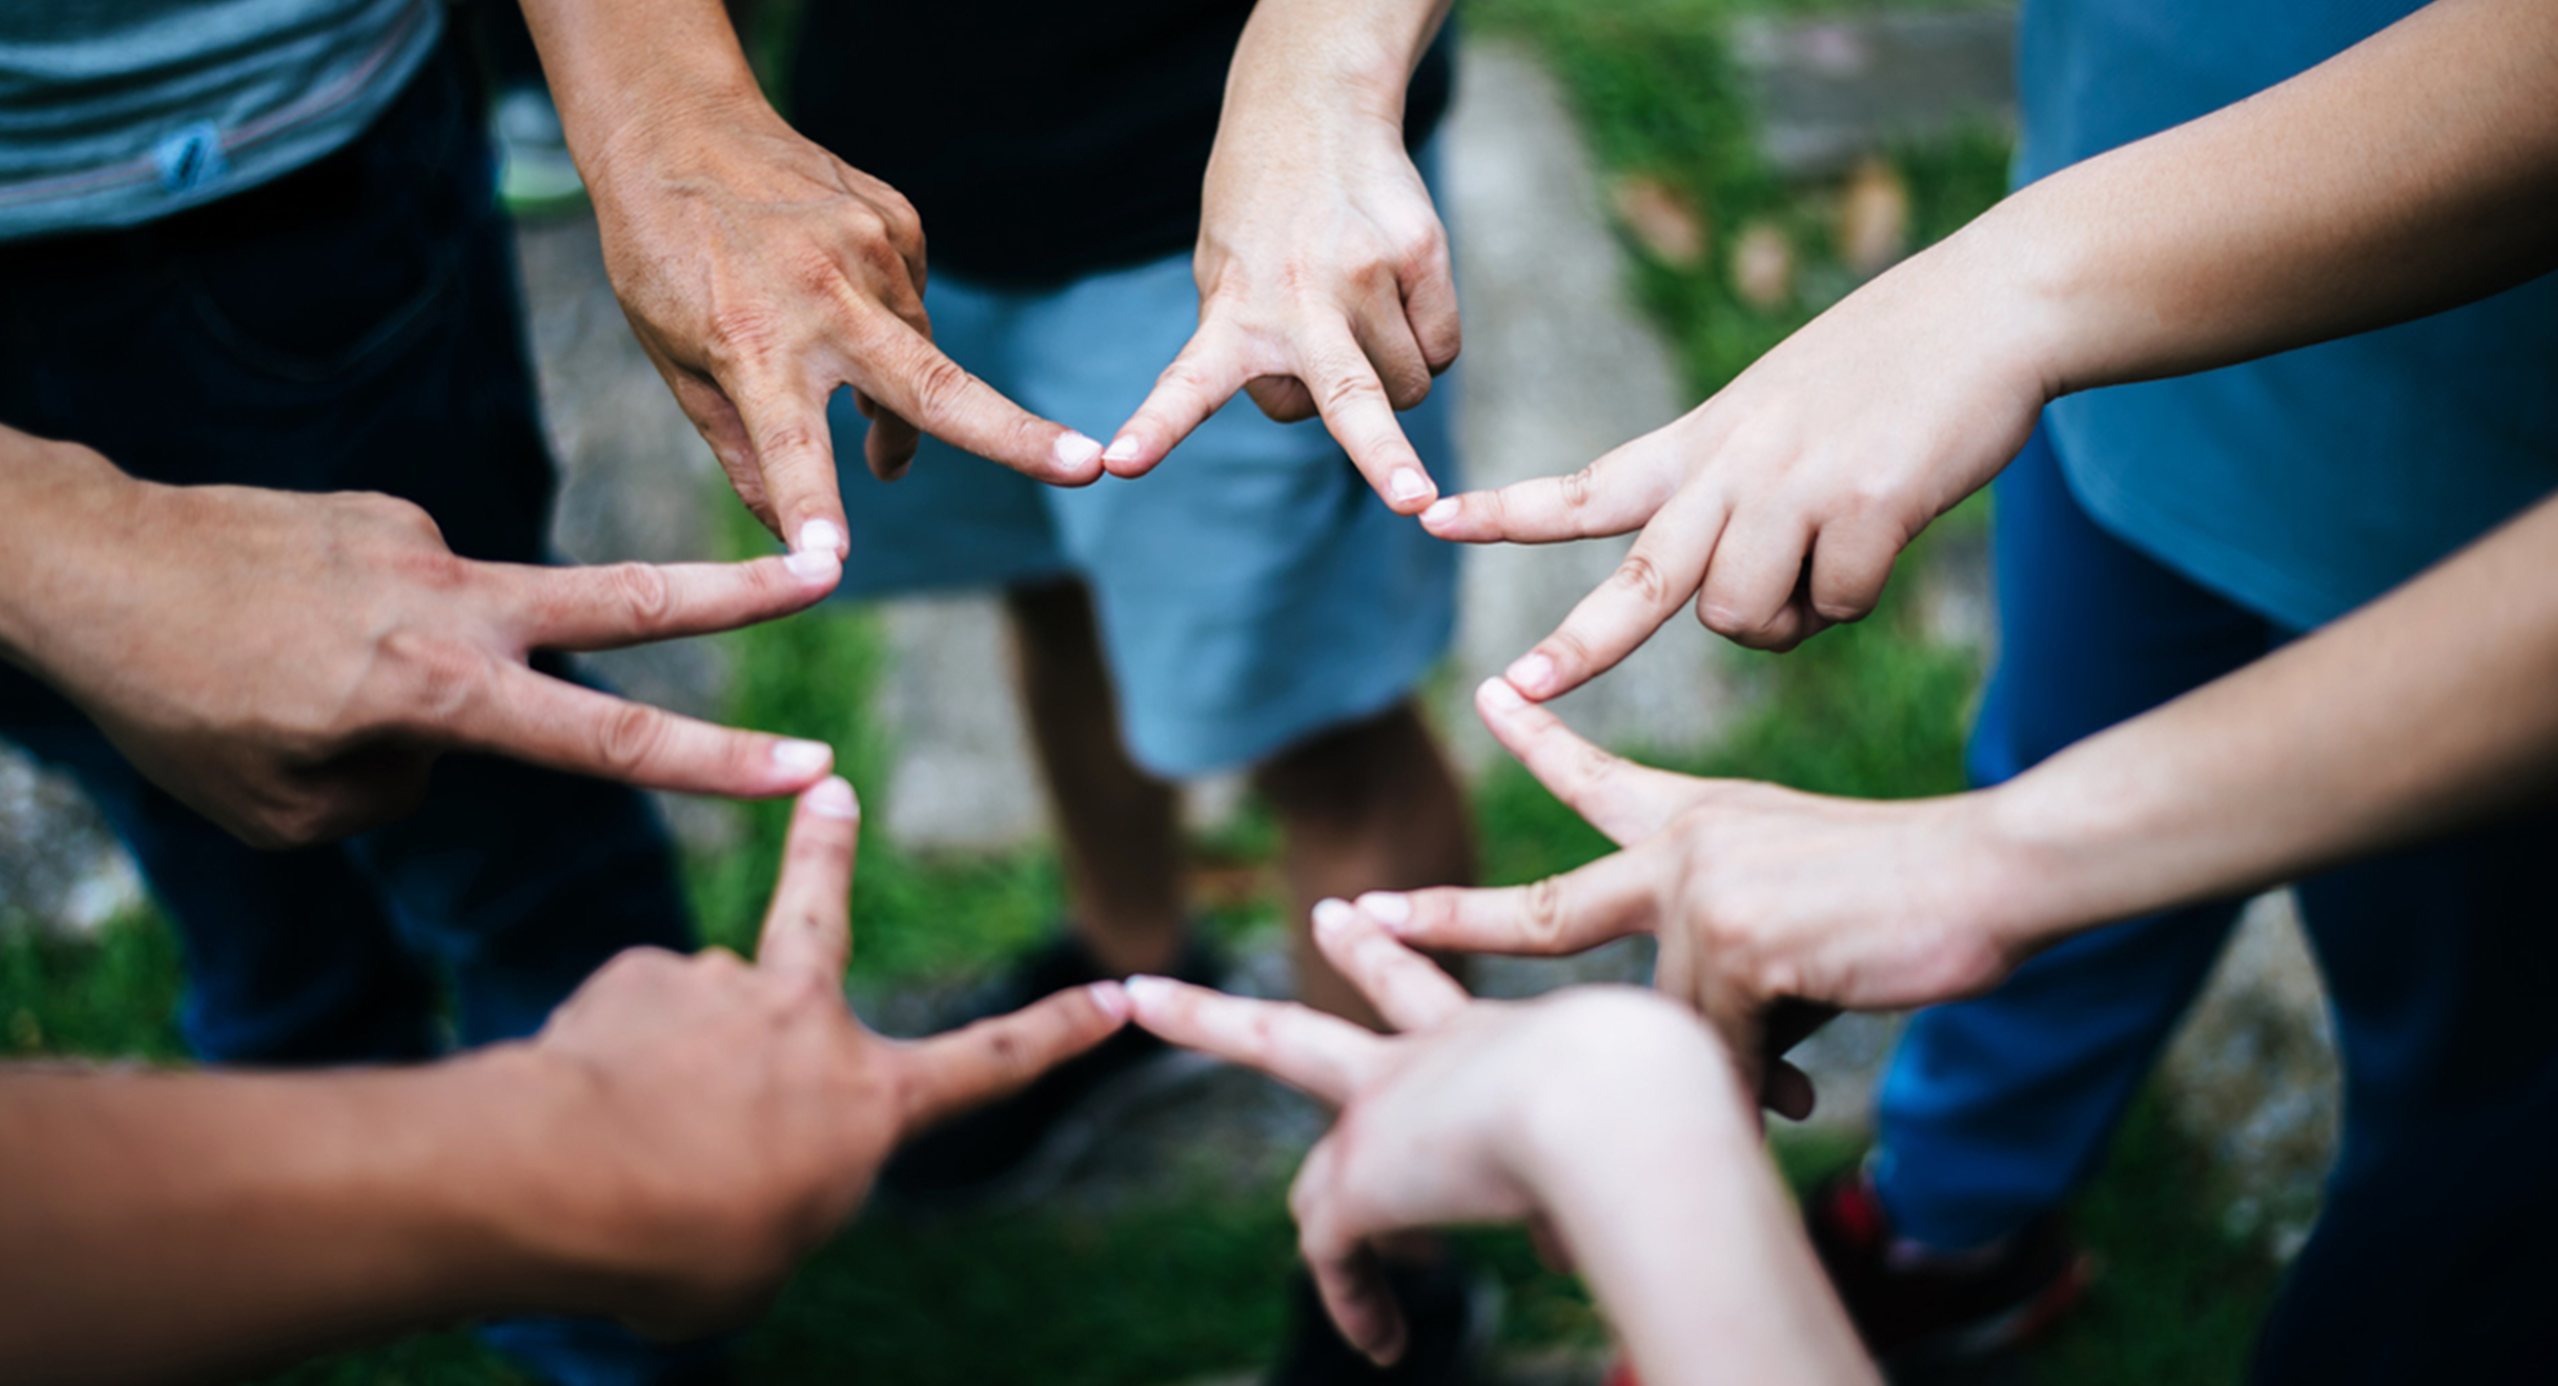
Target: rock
{"x": 61, "y": 870}
{"x": 1831, "y": 89}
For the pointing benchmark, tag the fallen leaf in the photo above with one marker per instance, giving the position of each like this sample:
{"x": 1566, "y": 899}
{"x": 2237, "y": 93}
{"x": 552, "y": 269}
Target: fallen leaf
{"x": 1663, "y": 222}
{"x": 1763, "y": 266}
{"x": 1873, "y": 224}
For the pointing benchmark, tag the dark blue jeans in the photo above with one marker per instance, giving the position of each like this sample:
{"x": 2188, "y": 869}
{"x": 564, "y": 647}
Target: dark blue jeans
{"x": 354, "y": 326}
{"x": 2431, "y": 1260}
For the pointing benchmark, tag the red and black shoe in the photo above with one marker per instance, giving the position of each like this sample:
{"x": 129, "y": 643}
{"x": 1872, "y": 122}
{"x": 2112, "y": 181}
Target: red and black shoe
{"x": 1913, "y": 1305}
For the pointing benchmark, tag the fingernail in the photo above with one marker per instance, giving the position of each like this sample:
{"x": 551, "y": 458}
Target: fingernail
{"x": 1111, "y": 997}
{"x": 819, "y": 536}
{"x": 833, "y": 798}
{"x": 1331, "y": 915}
{"x": 1122, "y": 448}
{"x": 796, "y": 756}
{"x": 1407, "y": 484}
{"x": 1387, "y": 908}
{"x": 808, "y": 564}
{"x": 1441, "y": 511}
{"x": 1144, "y": 990}
{"x": 1500, "y": 696}
{"x": 1075, "y": 451}
{"x": 1531, "y": 675}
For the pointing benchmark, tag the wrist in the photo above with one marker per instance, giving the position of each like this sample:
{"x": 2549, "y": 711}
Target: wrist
{"x": 2035, "y": 841}
{"x": 51, "y": 495}
{"x": 1327, "y": 58}
{"x": 521, "y": 1186}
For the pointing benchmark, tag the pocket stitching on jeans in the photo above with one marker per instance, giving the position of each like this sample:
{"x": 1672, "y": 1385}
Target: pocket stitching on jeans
{"x": 305, "y": 370}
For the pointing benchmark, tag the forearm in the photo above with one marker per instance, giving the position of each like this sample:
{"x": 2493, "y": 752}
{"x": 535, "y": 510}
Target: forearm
{"x": 1329, "y": 55}
{"x": 49, "y": 493}
{"x": 165, "y": 1225}
{"x": 2414, "y": 172}
{"x": 1676, "y": 1219}
{"x": 2424, "y": 710}
{"x": 625, "y": 71}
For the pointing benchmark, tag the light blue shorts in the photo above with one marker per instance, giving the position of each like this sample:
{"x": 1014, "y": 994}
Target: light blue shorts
{"x": 1252, "y": 591}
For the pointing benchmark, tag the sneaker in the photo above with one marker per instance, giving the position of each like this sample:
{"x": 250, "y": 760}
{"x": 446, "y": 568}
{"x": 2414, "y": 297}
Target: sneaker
{"x": 1017, "y": 1149}
{"x": 1449, "y": 1312}
{"x": 1913, "y": 1305}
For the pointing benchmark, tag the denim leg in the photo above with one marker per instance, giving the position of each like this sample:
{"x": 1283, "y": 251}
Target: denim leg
{"x": 2430, "y": 1259}
{"x": 1994, "y": 1108}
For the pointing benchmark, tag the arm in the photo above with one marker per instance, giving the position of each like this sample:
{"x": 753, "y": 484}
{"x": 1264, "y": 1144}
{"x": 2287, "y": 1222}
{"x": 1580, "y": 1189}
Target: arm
{"x": 681, "y": 1132}
{"x": 1324, "y": 285}
{"x": 759, "y": 271}
{"x": 1607, "y": 1117}
{"x": 2414, "y": 172}
{"x": 290, "y": 665}
{"x": 2421, "y": 712}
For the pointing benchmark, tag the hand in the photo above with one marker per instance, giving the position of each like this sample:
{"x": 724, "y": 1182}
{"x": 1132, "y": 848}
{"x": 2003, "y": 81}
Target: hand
{"x": 1324, "y": 285}
{"x": 711, "y": 1121}
{"x": 291, "y": 665}
{"x": 760, "y": 272}
{"x": 1459, "y": 1120}
{"x": 1758, "y": 895}
{"x": 1780, "y": 504}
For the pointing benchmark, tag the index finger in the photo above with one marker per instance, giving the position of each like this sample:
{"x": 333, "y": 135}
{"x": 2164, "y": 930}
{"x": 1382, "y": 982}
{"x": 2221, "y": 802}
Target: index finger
{"x": 1571, "y": 913}
{"x": 808, "y": 928}
{"x": 978, "y": 1063}
{"x": 1192, "y": 389}
{"x": 608, "y": 606}
{"x": 1628, "y": 802}
{"x": 1302, "y": 1047}
{"x": 902, "y": 369}
{"x": 1668, "y": 561}
{"x": 1409, "y": 990}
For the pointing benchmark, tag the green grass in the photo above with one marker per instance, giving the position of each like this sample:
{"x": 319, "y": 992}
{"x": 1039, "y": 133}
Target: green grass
{"x": 1186, "y": 1282}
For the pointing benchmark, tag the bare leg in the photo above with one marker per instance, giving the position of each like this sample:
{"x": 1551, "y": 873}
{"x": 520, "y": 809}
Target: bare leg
{"x": 1120, "y": 826}
{"x": 1370, "y": 806}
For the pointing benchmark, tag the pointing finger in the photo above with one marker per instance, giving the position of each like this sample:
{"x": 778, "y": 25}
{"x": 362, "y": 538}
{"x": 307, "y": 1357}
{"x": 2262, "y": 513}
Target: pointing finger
{"x": 950, "y": 1073}
{"x": 1304, "y": 1048}
{"x": 1409, "y": 990}
{"x": 808, "y": 926}
{"x": 1616, "y": 494}
{"x": 1578, "y": 910}
{"x": 911, "y": 378}
{"x": 1628, "y": 802}
{"x": 1196, "y": 385}
{"x": 608, "y": 606}
{"x": 794, "y": 450}
{"x": 479, "y": 703}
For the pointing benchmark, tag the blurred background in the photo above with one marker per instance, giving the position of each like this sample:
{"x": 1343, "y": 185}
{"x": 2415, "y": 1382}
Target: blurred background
{"x": 1644, "y": 196}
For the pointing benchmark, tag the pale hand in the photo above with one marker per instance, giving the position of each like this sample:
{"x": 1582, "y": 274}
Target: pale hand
{"x": 1779, "y": 505}
{"x": 1771, "y": 906}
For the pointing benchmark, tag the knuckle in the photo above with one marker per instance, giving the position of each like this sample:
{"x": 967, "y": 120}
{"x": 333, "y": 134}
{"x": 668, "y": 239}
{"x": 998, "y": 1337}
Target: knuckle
{"x": 1642, "y": 579}
{"x": 1542, "y": 913}
{"x": 1580, "y": 489}
{"x": 939, "y": 386}
{"x": 643, "y": 592}
{"x": 629, "y": 737}
{"x": 442, "y": 679}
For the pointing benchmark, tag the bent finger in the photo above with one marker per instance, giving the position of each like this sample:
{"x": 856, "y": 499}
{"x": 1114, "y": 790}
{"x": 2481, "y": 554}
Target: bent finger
{"x": 608, "y": 606}
{"x": 507, "y": 709}
{"x": 1851, "y": 561}
{"x": 1409, "y": 990}
{"x": 1578, "y": 910}
{"x": 1196, "y": 385}
{"x": 1668, "y": 560}
{"x": 794, "y": 451}
{"x": 1757, "y": 568}
{"x": 950, "y": 1073}
{"x": 1616, "y": 494}
{"x": 911, "y": 378}
{"x": 808, "y": 928}
{"x": 1349, "y": 1278}
{"x": 1628, "y": 802}
{"x": 1359, "y": 416}
{"x": 1302, "y": 1047}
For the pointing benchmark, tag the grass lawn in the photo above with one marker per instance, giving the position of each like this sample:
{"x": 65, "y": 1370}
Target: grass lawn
{"x": 1185, "y": 1284}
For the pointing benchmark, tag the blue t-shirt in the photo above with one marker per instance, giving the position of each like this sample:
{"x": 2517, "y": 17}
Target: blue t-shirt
{"x": 2304, "y": 484}
{"x": 117, "y": 112}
